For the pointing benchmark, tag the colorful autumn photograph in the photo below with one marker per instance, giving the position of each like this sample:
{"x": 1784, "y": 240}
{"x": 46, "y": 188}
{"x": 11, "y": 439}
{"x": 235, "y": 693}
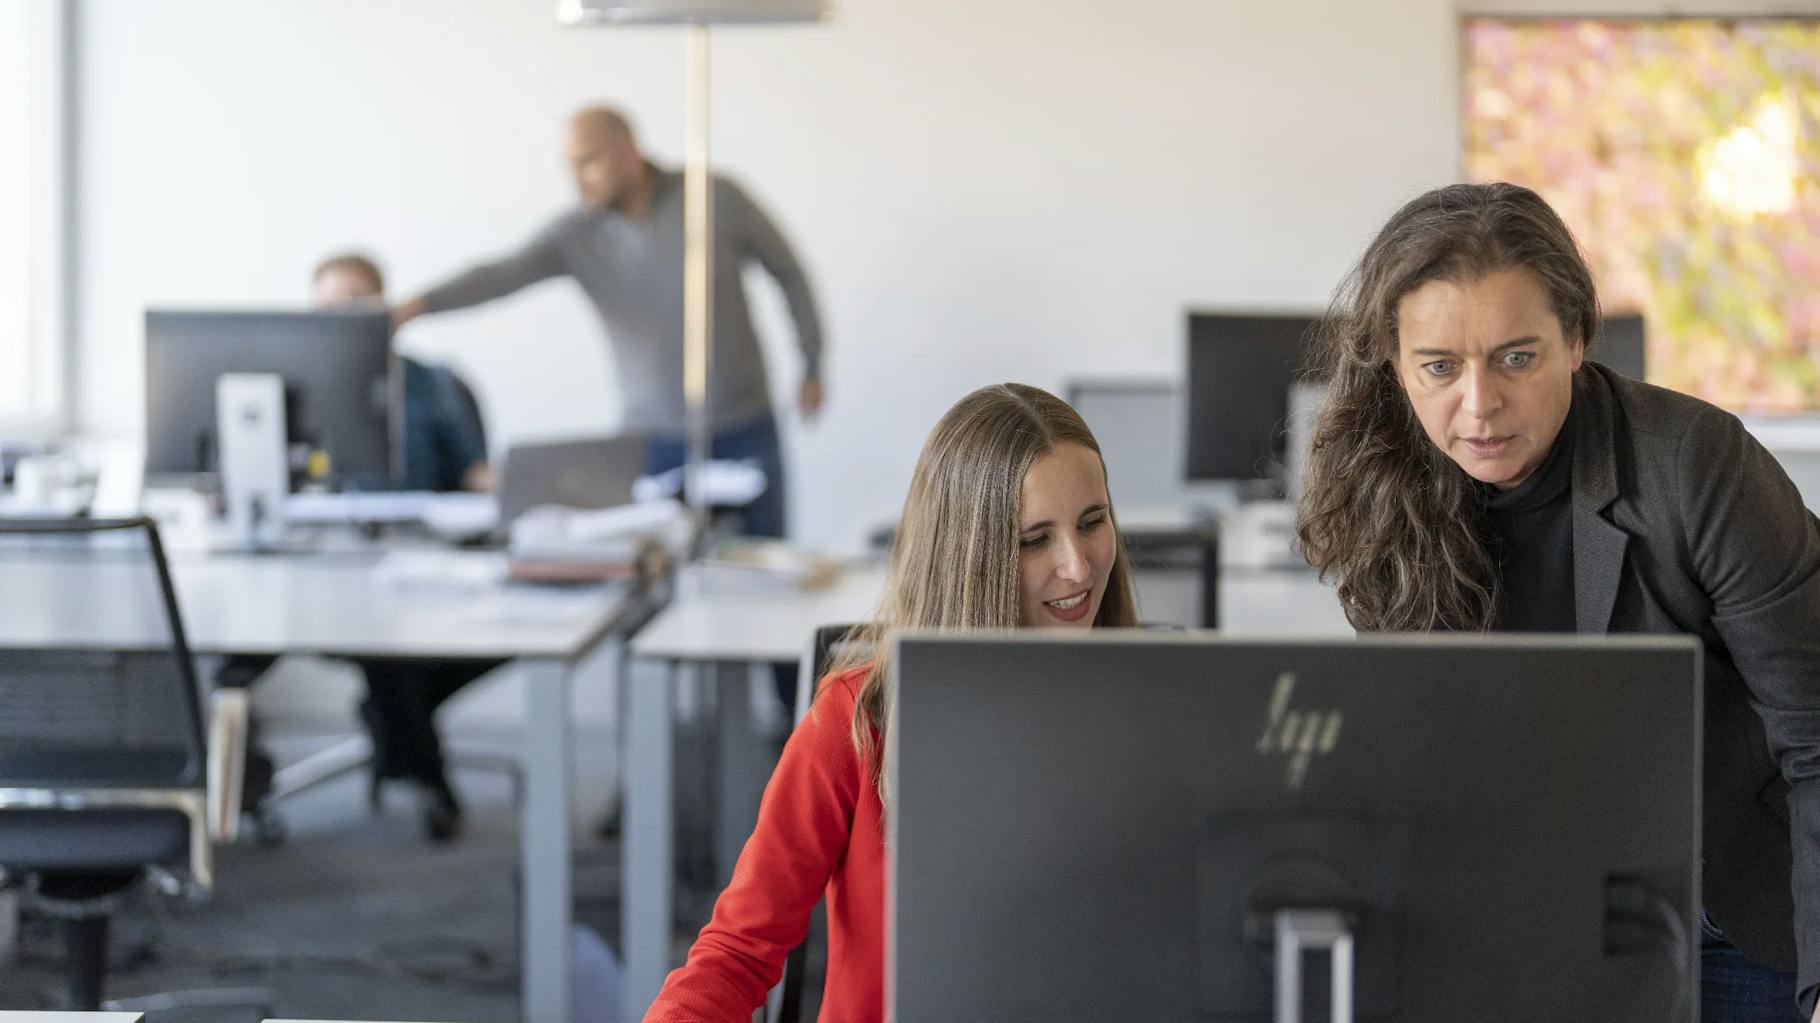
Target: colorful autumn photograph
{"x": 1685, "y": 155}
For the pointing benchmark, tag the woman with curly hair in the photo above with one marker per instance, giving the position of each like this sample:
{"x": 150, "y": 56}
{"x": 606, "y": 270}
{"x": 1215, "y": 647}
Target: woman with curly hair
{"x": 1473, "y": 470}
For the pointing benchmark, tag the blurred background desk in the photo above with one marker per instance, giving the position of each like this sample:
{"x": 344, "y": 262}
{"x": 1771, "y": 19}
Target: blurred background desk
{"x": 343, "y": 605}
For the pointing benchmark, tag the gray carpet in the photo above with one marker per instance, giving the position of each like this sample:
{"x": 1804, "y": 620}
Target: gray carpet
{"x": 355, "y": 915}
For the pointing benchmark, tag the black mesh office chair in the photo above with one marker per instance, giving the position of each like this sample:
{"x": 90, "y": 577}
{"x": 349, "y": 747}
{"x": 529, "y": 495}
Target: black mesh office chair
{"x": 106, "y": 772}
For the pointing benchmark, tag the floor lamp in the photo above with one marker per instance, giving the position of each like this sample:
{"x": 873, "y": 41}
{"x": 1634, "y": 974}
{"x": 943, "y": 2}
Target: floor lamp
{"x": 642, "y": 914}
{"x": 698, "y": 212}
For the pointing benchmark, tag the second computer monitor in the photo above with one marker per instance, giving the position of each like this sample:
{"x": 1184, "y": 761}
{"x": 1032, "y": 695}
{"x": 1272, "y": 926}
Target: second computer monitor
{"x": 1136, "y": 424}
{"x": 1107, "y": 826}
{"x": 1241, "y": 369}
{"x": 341, "y": 397}
{"x": 1621, "y": 345}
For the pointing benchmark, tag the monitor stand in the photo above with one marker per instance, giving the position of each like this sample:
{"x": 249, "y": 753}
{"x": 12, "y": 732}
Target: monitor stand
{"x": 1261, "y": 534}
{"x": 1298, "y": 931}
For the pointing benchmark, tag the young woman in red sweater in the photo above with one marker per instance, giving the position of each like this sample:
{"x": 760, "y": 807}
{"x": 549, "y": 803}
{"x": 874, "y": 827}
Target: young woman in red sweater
{"x": 1007, "y": 523}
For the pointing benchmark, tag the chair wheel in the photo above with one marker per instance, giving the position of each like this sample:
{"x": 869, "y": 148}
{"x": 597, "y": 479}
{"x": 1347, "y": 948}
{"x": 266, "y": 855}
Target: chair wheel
{"x": 268, "y": 828}
{"x": 608, "y": 828}
{"x": 441, "y": 815}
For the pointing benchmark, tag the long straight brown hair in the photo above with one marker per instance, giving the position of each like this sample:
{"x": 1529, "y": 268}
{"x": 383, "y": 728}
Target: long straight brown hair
{"x": 954, "y": 563}
{"x": 1383, "y": 511}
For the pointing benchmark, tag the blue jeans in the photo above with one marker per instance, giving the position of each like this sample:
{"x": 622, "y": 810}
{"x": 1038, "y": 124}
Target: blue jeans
{"x": 1737, "y": 989}
{"x": 754, "y": 441}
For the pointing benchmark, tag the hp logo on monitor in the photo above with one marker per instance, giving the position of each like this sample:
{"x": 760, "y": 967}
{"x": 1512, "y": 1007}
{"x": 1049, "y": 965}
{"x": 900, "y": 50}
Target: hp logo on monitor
{"x": 1301, "y": 735}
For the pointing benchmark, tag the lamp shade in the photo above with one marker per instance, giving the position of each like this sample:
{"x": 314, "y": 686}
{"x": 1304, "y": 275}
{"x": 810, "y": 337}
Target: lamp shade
{"x": 688, "y": 12}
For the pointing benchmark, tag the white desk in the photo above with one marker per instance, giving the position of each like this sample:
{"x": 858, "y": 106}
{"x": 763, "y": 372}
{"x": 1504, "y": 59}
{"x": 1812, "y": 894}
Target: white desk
{"x": 1261, "y": 585}
{"x": 754, "y": 627}
{"x": 334, "y": 605}
{"x": 716, "y": 630}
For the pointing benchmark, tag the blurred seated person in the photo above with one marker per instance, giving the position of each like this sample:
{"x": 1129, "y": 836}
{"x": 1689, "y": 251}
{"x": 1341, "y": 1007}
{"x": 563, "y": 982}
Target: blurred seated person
{"x": 444, "y": 450}
{"x": 444, "y": 440}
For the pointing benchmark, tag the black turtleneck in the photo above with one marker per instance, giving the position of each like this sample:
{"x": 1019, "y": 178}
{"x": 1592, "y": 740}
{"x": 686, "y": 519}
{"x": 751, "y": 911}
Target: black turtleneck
{"x": 1535, "y": 531}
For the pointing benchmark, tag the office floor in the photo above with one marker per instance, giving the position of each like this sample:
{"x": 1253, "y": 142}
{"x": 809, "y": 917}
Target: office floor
{"x": 355, "y": 916}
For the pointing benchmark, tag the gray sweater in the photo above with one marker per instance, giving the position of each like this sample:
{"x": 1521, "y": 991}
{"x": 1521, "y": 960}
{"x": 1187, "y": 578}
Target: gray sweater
{"x": 632, "y": 270}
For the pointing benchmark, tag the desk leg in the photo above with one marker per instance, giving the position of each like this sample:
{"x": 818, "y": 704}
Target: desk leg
{"x": 646, "y": 839}
{"x": 548, "y": 993}
{"x": 1210, "y": 583}
{"x": 740, "y": 765}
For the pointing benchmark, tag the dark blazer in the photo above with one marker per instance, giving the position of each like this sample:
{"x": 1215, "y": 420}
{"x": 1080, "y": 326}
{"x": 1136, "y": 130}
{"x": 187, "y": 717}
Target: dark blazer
{"x": 1683, "y": 523}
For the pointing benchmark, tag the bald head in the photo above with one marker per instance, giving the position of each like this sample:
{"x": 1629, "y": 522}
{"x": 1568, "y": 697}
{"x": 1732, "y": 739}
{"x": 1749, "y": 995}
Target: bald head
{"x": 602, "y": 123}
{"x": 603, "y": 153}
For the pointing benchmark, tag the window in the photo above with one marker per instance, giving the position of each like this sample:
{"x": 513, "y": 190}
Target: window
{"x": 1685, "y": 155}
{"x": 32, "y": 220}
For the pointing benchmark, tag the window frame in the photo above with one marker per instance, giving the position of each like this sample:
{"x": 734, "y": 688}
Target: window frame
{"x": 49, "y": 224}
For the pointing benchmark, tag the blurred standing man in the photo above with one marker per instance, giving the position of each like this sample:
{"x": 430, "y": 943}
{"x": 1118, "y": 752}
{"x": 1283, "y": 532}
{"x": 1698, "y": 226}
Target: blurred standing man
{"x": 624, "y": 245}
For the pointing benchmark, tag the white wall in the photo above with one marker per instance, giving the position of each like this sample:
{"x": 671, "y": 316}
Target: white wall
{"x": 982, "y": 189}
{"x": 1012, "y": 189}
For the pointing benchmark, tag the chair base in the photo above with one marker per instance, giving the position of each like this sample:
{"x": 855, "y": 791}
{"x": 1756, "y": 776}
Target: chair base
{"x": 354, "y": 755}
{"x": 85, "y": 907}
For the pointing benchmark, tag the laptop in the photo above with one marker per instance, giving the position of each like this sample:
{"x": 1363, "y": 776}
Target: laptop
{"x": 594, "y": 472}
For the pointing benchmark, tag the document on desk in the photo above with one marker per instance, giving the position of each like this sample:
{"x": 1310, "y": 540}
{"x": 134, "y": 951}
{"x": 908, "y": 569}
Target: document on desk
{"x": 726, "y": 482}
{"x": 445, "y": 513}
{"x": 550, "y": 533}
{"x": 451, "y": 571}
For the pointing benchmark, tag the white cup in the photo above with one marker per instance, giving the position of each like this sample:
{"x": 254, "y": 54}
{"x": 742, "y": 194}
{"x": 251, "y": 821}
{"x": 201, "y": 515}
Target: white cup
{"x": 36, "y": 479}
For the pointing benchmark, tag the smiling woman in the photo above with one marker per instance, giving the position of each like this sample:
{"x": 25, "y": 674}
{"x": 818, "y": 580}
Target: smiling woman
{"x": 1066, "y": 544}
{"x": 1007, "y": 523}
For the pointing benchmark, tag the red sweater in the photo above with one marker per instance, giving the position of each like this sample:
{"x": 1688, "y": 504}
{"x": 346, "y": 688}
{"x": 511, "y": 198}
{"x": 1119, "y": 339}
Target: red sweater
{"x": 820, "y": 827}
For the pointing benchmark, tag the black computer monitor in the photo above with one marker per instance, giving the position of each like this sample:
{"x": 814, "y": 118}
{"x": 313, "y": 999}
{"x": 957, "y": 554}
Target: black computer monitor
{"x": 1620, "y": 345}
{"x": 1102, "y": 826}
{"x": 1135, "y": 422}
{"x": 341, "y": 397}
{"x": 1241, "y": 368}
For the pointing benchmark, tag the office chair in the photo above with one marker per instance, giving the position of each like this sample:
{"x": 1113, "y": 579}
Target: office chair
{"x": 355, "y": 753}
{"x": 470, "y": 404}
{"x": 107, "y": 775}
{"x": 785, "y": 1004}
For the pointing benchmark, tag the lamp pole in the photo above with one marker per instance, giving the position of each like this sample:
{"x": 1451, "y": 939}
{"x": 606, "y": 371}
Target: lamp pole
{"x": 698, "y": 284}
{"x": 646, "y": 851}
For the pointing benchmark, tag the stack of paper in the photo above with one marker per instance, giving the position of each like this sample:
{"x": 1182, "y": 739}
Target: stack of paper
{"x": 748, "y": 564}
{"x": 556, "y": 543}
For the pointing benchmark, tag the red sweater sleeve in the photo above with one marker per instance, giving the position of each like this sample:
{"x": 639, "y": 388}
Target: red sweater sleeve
{"x": 804, "y": 823}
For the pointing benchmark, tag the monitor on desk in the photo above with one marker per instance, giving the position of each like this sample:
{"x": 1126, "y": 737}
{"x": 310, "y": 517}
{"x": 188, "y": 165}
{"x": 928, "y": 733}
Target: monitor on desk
{"x": 588, "y": 473}
{"x": 1115, "y": 825}
{"x": 1243, "y": 369}
{"x": 341, "y": 397}
{"x": 1620, "y": 345}
{"x": 1135, "y": 422}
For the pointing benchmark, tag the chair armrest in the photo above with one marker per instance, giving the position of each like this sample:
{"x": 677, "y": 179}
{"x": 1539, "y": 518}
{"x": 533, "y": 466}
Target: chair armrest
{"x": 229, "y": 710}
